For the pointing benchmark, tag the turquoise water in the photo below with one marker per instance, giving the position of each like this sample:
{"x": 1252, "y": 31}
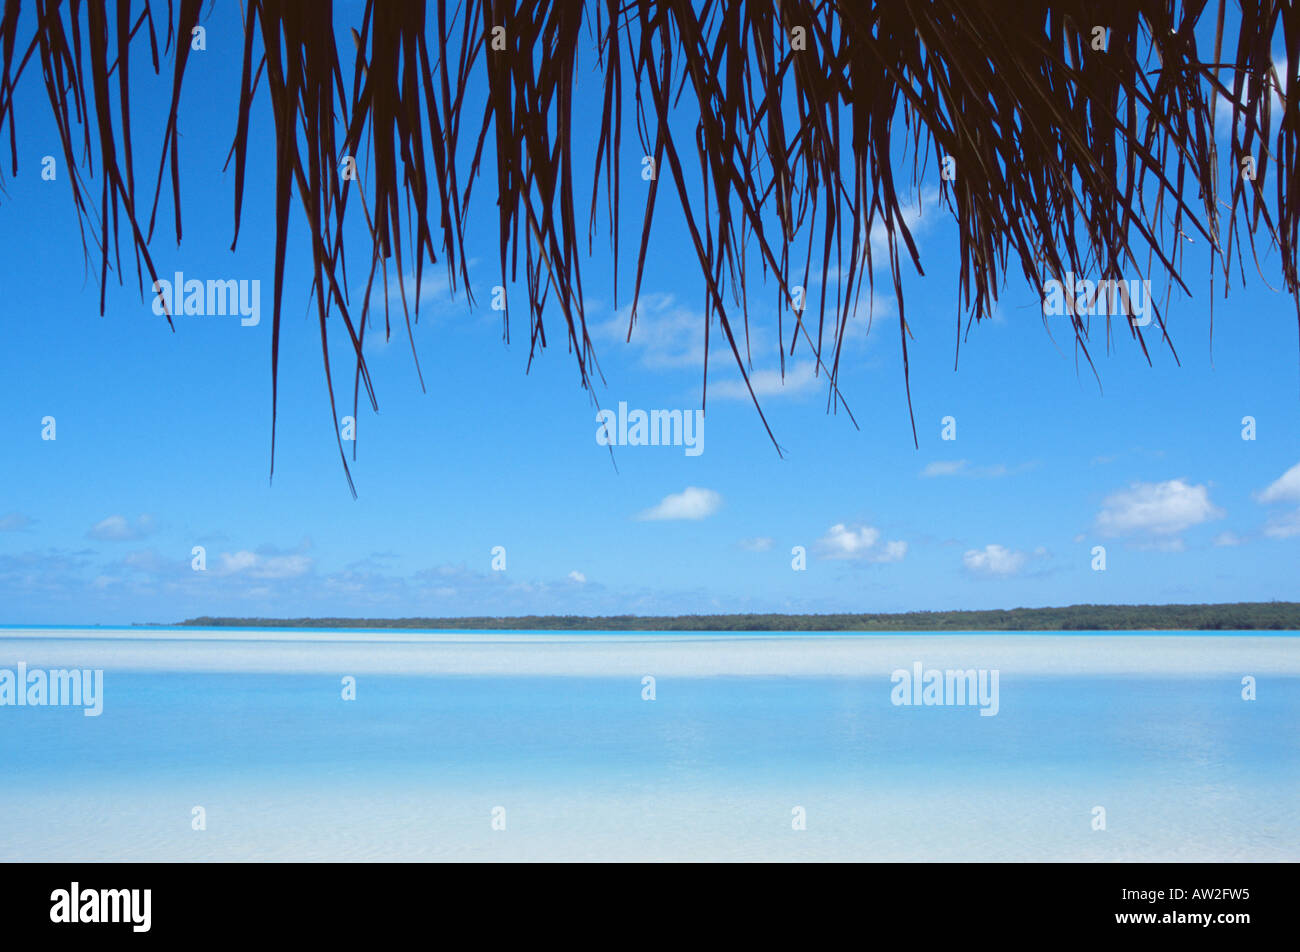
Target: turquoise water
{"x": 743, "y": 732}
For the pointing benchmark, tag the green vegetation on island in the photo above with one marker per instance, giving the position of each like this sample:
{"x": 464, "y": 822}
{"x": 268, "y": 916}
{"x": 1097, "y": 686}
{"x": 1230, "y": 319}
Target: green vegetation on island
{"x": 1270, "y": 616}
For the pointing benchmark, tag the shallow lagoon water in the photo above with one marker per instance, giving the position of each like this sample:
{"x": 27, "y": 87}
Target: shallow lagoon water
{"x": 743, "y": 729}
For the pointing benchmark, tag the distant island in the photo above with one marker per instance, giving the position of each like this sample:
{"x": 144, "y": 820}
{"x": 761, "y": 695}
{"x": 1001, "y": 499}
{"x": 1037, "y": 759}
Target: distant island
{"x": 1271, "y": 616}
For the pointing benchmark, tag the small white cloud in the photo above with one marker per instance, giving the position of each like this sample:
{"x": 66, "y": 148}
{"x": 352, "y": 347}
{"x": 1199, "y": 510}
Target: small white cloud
{"x": 114, "y": 528}
{"x": 117, "y": 528}
{"x": 1228, "y": 539}
{"x": 1158, "y": 508}
{"x": 237, "y": 562}
{"x": 944, "y": 468}
{"x": 263, "y": 566}
{"x": 578, "y": 577}
{"x": 994, "y": 559}
{"x": 666, "y": 334}
{"x": 849, "y": 543}
{"x": 1223, "y": 113}
{"x": 1283, "y": 526}
{"x": 1286, "y": 488}
{"x": 691, "y": 503}
{"x": 963, "y": 467}
{"x": 859, "y": 542}
{"x": 912, "y": 217}
{"x": 892, "y": 552}
{"x": 433, "y": 288}
{"x": 799, "y": 378}
{"x": 757, "y": 544}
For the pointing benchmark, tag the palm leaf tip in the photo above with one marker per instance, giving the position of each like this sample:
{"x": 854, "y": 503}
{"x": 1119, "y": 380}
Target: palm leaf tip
{"x": 1069, "y": 156}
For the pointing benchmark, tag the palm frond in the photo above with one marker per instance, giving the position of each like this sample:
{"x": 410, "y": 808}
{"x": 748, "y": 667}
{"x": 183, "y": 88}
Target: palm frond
{"x": 1070, "y": 158}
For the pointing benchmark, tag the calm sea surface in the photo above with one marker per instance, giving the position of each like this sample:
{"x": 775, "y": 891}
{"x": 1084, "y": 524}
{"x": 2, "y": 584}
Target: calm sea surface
{"x": 746, "y": 736}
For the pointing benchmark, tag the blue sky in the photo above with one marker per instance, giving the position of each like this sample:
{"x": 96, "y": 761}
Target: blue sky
{"x": 163, "y": 438}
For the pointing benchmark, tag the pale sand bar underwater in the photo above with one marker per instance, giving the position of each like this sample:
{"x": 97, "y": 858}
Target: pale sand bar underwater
{"x": 744, "y": 732}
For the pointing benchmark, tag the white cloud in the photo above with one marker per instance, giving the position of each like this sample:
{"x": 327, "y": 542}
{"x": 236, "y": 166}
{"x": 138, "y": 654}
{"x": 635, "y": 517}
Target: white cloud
{"x": 238, "y": 562}
{"x": 1157, "y": 508}
{"x": 944, "y": 468}
{"x": 578, "y": 577}
{"x": 859, "y": 542}
{"x": 873, "y": 304}
{"x": 1284, "y": 526}
{"x": 994, "y": 559}
{"x": 264, "y": 566}
{"x": 117, "y": 528}
{"x": 757, "y": 544}
{"x": 913, "y": 218}
{"x": 1223, "y": 105}
{"x": 668, "y": 335}
{"x": 962, "y": 467}
{"x": 691, "y": 503}
{"x": 1286, "y": 488}
{"x": 892, "y": 552}
{"x": 434, "y": 288}
{"x": 799, "y": 378}
{"x": 112, "y": 528}
{"x": 878, "y": 301}
{"x": 435, "y": 299}
{"x": 1228, "y": 539}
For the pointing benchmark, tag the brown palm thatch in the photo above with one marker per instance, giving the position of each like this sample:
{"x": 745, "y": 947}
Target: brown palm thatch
{"x": 1072, "y": 156}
